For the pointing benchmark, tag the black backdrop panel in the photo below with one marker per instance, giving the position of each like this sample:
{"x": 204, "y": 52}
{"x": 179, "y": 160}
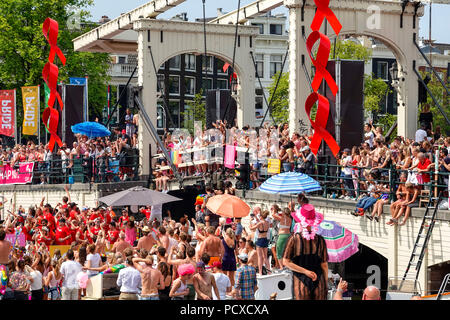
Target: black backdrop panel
{"x": 73, "y": 110}
{"x": 352, "y": 102}
{"x": 211, "y": 105}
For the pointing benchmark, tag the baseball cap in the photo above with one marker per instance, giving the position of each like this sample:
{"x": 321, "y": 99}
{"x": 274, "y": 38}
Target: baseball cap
{"x": 217, "y": 264}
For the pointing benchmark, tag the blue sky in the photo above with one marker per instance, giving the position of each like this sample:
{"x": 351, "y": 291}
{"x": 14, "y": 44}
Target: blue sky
{"x": 440, "y": 12}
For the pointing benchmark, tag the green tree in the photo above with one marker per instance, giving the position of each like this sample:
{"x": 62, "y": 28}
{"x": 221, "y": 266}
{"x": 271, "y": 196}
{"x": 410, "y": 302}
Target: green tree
{"x": 439, "y": 93}
{"x": 24, "y": 50}
{"x": 194, "y": 111}
{"x": 350, "y": 50}
{"x": 280, "y": 98}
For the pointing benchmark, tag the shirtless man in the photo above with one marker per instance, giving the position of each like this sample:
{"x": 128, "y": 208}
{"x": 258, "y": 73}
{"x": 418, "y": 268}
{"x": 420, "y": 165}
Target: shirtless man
{"x": 120, "y": 245}
{"x": 251, "y": 252}
{"x": 5, "y": 248}
{"x": 204, "y": 283}
{"x": 152, "y": 279}
{"x": 147, "y": 241}
{"x": 212, "y": 245}
{"x": 163, "y": 238}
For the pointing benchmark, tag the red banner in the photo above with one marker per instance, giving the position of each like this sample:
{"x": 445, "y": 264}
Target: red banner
{"x": 7, "y": 112}
{"x": 21, "y": 175}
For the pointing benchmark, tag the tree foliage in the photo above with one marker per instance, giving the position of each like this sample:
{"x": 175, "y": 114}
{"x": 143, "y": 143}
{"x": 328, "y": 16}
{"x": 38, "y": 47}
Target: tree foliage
{"x": 350, "y": 50}
{"x": 439, "y": 93}
{"x": 280, "y": 98}
{"x": 24, "y": 50}
{"x": 194, "y": 111}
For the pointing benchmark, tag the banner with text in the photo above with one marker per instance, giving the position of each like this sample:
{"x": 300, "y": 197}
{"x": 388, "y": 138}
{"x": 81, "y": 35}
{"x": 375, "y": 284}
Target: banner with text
{"x": 21, "y": 175}
{"x": 31, "y": 107}
{"x": 8, "y": 112}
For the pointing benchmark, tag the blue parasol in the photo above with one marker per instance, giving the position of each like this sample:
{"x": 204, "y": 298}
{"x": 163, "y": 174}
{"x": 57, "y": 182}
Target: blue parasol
{"x": 290, "y": 183}
{"x": 91, "y": 129}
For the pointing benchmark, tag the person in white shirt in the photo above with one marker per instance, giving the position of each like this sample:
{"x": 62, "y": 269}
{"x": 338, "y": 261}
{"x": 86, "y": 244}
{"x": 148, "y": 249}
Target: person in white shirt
{"x": 156, "y": 212}
{"x": 421, "y": 133}
{"x": 368, "y": 134}
{"x": 93, "y": 260}
{"x": 69, "y": 270}
{"x": 129, "y": 281}
{"x": 346, "y": 174}
{"x": 223, "y": 282}
{"x": 36, "y": 284}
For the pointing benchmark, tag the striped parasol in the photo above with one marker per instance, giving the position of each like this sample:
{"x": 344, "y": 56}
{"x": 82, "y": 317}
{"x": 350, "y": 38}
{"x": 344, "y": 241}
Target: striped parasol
{"x": 289, "y": 183}
{"x": 341, "y": 242}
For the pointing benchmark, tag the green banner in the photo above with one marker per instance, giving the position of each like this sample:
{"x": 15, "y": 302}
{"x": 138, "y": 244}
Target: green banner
{"x": 47, "y": 96}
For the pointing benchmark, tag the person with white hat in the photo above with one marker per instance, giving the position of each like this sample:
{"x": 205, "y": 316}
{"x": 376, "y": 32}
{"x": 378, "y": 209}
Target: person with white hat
{"x": 147, "y": 241}
{"x": 306, "y": 255}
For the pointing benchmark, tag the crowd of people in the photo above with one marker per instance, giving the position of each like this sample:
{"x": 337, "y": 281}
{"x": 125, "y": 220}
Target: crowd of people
{"x": 107, "y": 159}
{"x": 157, "y": 258}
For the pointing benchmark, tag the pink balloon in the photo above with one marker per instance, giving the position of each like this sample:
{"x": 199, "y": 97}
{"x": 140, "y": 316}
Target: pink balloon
{"x": 83, "y": 279}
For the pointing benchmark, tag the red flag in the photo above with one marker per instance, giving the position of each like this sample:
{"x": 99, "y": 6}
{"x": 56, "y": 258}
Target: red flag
{"x": 7, "y": 112}
{"x": 226, "y": 66}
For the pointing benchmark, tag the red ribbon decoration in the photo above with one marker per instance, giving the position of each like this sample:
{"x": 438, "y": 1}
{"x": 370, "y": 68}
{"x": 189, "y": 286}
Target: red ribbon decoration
{"x": 50, "y": 29}
{"x": 321, "y": 61}
{"x": 324, "y": 11}
{"x": 320, "y": 133}
{"x": 50, "y": 73}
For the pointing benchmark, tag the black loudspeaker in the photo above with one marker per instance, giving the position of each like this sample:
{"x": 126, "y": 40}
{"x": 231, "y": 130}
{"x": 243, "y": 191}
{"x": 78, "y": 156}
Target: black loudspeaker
{"x": 216, "y": 106}
{"x": 349, "y": 76}
{"x": 73, "y": 111}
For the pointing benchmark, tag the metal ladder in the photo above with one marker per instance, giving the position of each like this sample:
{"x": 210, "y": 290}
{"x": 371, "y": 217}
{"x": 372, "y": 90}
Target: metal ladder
{"x": 425, "y": 231}
{"x": 444, "y": 285}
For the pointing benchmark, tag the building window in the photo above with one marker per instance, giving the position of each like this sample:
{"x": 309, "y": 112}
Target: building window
{"x": 382, "y": 71}
{"x": 160, "y": 116}
{"x": 207, "y": 65}
{"x": 189, "y": 60}
{"x": 175, "y": 63}
{"x": 188, "y": 115}
{"x": 260, "y": 26}
{"x": 259, "y": 65}
{"x": 122, "y": 59}
{"x": 276, "y": 29}
{"x": 207, "y": 84}
{"x": 160, "y": 83}
{"x": 275, "y": 64}
{"x": 220, "y": 65}
{"x": 189, "y": 84}
{"x": 174, "y": 85}
{"x": 222, "y": 84}
{"x": 174, "y": 109}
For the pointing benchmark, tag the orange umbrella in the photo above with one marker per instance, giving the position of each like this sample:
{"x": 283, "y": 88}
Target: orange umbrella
{"x": 226, "y": 205}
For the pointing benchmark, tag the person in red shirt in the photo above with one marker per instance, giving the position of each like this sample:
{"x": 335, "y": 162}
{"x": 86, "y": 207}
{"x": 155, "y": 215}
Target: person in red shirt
{"x": 51, "y": 222}
{"x": 94, "y": 215}
{"x": 74, "y": 211}
{"x": 73, "y": 230}
{"x": 124, "y": 218}
{"x": 147, "y": 211}
{"x": 423, "y": 166}
{"x": 113, "y": 233}
{"x": 44, "y": 237}
{"x": 96, "y": 228}
{"x": 62, "y": 235}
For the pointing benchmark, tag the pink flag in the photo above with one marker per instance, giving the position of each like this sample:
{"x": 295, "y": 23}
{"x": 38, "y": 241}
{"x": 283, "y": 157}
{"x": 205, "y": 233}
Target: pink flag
{"x": 230, "y": 156}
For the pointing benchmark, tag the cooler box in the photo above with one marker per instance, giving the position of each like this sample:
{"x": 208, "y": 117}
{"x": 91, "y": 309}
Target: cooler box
{"x": 279, "y": 283}
{"x": 102, "y": 287}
